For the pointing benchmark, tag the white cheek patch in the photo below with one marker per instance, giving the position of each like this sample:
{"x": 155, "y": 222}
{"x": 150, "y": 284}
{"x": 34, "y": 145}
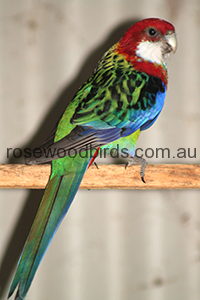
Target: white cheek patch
{"x": 150, "y": 51}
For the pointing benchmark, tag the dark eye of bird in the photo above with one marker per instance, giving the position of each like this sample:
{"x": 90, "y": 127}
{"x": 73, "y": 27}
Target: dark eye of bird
{"x": 152, "y": 32}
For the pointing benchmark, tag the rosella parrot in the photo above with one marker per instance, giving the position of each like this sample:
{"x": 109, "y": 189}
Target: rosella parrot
{"x": 124, "y": 96}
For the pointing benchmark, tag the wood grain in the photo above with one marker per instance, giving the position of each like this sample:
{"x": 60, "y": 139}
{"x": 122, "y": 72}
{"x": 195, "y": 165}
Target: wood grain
{"x": 106, "y": 177}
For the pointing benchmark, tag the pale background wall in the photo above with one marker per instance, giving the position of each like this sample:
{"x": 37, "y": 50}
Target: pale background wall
{"x": 112, "y": 244}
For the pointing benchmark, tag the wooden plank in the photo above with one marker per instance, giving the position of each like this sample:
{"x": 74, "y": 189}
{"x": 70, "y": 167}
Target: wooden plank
{"x": 107, "y": 177}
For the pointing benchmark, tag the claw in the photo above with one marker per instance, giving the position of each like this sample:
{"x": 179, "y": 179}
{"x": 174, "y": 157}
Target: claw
{"x": 138, "y": 161}
{"x": 95, "y": 164}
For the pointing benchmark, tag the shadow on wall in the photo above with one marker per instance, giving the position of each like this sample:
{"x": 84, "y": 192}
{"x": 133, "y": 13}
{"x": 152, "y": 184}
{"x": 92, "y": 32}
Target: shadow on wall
{"x": 22, "y": 227}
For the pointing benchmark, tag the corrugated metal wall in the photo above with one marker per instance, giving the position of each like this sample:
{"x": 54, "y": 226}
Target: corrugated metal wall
{"x": 112, "y": 244}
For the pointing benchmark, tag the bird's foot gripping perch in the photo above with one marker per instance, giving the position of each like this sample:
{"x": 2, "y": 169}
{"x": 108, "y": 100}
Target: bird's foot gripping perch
{"x": 135, "y": 160}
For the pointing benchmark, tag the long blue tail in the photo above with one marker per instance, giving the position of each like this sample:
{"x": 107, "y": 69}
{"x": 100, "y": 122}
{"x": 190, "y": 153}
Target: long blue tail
{"x": 55, "y": 203}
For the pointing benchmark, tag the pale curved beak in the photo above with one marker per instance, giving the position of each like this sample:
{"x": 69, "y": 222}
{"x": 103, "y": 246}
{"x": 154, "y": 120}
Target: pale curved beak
{"x": 171, "y": 41}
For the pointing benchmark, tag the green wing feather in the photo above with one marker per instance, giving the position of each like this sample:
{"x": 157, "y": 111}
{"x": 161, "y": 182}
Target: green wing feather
{"x": 110, "y": 94}
{"x": 116, "y": 96}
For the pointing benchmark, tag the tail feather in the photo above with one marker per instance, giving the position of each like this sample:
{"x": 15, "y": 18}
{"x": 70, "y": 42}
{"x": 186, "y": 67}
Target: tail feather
{"x": 55, "y": 203}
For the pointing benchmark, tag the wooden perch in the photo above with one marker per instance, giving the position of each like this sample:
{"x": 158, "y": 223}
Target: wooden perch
{"x": 106, "y": 177}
